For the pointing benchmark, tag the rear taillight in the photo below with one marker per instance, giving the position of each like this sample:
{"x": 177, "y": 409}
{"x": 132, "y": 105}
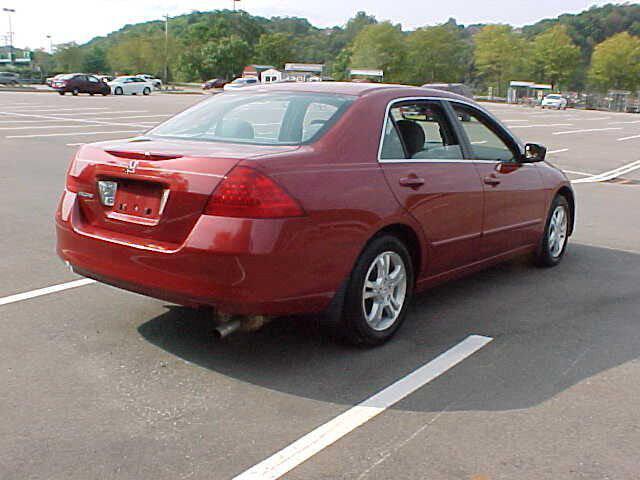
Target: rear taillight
{"x": 247, "y": 193}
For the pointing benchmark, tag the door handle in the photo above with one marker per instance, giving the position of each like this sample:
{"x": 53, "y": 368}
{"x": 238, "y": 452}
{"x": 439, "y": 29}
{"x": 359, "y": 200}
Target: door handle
{"x": 412, "y": 182}
{"x": 491, "y": 180}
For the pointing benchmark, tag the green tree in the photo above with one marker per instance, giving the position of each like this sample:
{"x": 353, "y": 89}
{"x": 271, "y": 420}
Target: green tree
{"x": 381, "y": 46}
{"x": 95, "y": 60}
{"x": 437, "y": 54}
{"x": 69, "y": 57}
{"x": 274, "y": 49}
{"x": 340, "y": 67}
{"x": 225, "y": 57}
{"x": 615, "y": 63}
{"x": 499, "y": 55}
{"x": 555, "y": 57}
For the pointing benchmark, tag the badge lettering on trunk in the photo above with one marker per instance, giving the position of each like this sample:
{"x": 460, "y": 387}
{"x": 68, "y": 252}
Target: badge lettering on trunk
{"x": 131, "y": 168}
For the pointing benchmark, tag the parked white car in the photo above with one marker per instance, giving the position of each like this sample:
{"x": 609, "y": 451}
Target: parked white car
{"x": 554, "y": 100}
{"x": 241, "y": 83}
{"x": 157, "y": 83}
{"x": 130, "y": 86}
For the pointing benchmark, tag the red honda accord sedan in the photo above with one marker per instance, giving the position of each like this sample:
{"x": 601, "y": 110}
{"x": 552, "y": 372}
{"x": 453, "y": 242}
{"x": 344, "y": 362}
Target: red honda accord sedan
{"x": 287, "y": 199}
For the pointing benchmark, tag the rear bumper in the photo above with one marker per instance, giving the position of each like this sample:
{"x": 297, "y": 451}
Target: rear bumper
{"x": 239, "y": 266}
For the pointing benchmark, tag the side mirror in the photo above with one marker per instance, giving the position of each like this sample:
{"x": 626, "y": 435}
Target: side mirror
{"x": 534, "y": 152}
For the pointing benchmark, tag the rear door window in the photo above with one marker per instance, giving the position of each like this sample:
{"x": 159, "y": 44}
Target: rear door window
{"x": 424, "y": 132}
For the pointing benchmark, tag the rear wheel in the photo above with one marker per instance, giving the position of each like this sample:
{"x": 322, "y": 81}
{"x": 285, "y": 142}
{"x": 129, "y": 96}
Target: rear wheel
{"x": 75, "y": 92}
{"x": 118, "y": 91}
{"x": 61, "y": 93}
{"x": 556, "y": 234}
{"x": 379, "y": 292}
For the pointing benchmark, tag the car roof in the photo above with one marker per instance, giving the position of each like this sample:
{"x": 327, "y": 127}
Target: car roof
{"x": 355, "y": 89}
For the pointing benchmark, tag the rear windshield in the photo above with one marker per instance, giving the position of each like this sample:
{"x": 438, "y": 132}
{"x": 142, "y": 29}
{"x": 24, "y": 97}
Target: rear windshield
{"x": 276, "y": 118}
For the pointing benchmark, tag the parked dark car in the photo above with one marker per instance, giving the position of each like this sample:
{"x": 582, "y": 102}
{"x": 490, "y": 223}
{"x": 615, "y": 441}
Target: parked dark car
{"x": 9, "y": 78}
{"x": 214, "y": 83}
{"x": 76, "y": 83}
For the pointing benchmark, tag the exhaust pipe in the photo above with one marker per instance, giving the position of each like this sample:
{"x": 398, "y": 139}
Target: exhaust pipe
{"x": 226, "y": 324}
{"x": 225, "y": 329}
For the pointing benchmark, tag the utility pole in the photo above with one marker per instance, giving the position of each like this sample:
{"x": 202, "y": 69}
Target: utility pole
{"x": 50, "y": 44}
{"x": 234, "y": 4}
{"x": 166, "y": 49}
{"x": 9, "y": 12}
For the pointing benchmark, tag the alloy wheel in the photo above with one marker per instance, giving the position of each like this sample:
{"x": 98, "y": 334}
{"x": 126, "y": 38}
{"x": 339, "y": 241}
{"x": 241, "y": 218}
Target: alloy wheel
{"x": 558, "y": 231}
{"x": 384, "y": 291}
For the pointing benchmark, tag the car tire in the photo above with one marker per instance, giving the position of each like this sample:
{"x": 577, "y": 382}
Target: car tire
{"x": 146, "y": 91}
{"x": 553, "y": 244}
{"x": 75, "y": 92}
{"x": 375, "y": 304}
{"x": 118, "y": 91}
{"x": 61, "y": 93}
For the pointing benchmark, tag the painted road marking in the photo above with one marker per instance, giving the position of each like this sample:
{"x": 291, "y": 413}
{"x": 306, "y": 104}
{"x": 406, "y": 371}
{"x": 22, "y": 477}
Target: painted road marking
{"x": 312, "y": 443}
{"x": 552, "y": 152}
{"x": 573, "y": 172}
{"x": 544, "y": 125}
{"x": 628, "y": 138}
{"x": 587, "y": 130}
{"x": 72, "y": 134}
{"x": 45, "y": 291}
{"x": 625, "y": 123}
{"x": 50, "y": 126}
{"x": 82, "y": 120}
{"x": 55, "y": 110}
{"x": 611, "y": 174}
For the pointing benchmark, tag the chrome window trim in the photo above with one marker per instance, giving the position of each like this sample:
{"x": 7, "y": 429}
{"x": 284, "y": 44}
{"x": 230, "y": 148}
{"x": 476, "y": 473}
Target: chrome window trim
{"x": 441, "y": 160}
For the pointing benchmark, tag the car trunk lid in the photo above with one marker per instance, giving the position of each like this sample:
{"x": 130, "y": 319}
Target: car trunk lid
{"x": 151, "y": 193}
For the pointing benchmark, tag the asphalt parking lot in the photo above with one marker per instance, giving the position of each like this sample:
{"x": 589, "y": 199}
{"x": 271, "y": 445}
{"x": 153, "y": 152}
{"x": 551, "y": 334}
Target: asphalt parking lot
{"x": 520, "y": 373}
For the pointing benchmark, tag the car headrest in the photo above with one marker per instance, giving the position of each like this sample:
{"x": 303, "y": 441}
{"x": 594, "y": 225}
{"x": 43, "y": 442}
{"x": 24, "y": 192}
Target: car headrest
{"x": 234, "y": 128}
{"x": 413, "y": 136}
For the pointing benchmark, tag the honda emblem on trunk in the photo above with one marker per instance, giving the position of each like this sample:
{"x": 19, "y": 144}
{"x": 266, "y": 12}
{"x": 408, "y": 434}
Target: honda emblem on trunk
{"x": 131, "y": 168}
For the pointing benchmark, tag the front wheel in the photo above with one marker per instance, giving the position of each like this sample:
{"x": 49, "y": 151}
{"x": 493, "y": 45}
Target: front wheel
{"x": 146, "y": 91}
{"x": 75, "y": 92}
{"x": 556, "y": 234}
{"x": 61, "y": 93}
{"x": 118, "y": 91}
{"x": 379, "y": 292}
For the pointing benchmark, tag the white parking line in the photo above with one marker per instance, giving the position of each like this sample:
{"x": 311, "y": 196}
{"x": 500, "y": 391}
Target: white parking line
{"x": 45, "y": 291}
{"x": 544, "y": 125}
{"x": 587, "y": 130}
{"x": 625, "y": 123}
{"x": 81, "y": 120}
{"x": 553, "y": 152}
{"x": 45, "y": 110}
{"x": 72, "y": 134}
{"x": 628, "y": 138}
{"x": 611, "y": 174}
{"x": 103, "y": 113}
{"x": 574, "y": 172}
{"x": 306, "y": 447}
{"x": 35, "y": 127}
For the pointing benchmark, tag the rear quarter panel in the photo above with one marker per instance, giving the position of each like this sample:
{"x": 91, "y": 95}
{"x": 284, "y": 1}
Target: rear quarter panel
{"x": 344, "y": 193}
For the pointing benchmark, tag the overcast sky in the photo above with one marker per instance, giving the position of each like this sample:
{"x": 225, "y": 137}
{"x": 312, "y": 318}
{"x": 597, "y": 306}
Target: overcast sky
{"x": 81, "y": 20}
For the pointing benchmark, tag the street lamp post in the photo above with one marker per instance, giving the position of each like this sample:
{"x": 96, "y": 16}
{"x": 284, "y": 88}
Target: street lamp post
{"x": 234, "y": 4}
{"x": 9, "y": 11}
{"x": 50, "y": 44}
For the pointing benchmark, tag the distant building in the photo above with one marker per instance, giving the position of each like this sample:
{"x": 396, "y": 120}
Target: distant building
{"x": 271, "y": 75}
{"x": 256, "y": 71}
{"x": 366, "y": 75}
{"x": 303, "y": 72}
{"x": 20, "y": 57}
